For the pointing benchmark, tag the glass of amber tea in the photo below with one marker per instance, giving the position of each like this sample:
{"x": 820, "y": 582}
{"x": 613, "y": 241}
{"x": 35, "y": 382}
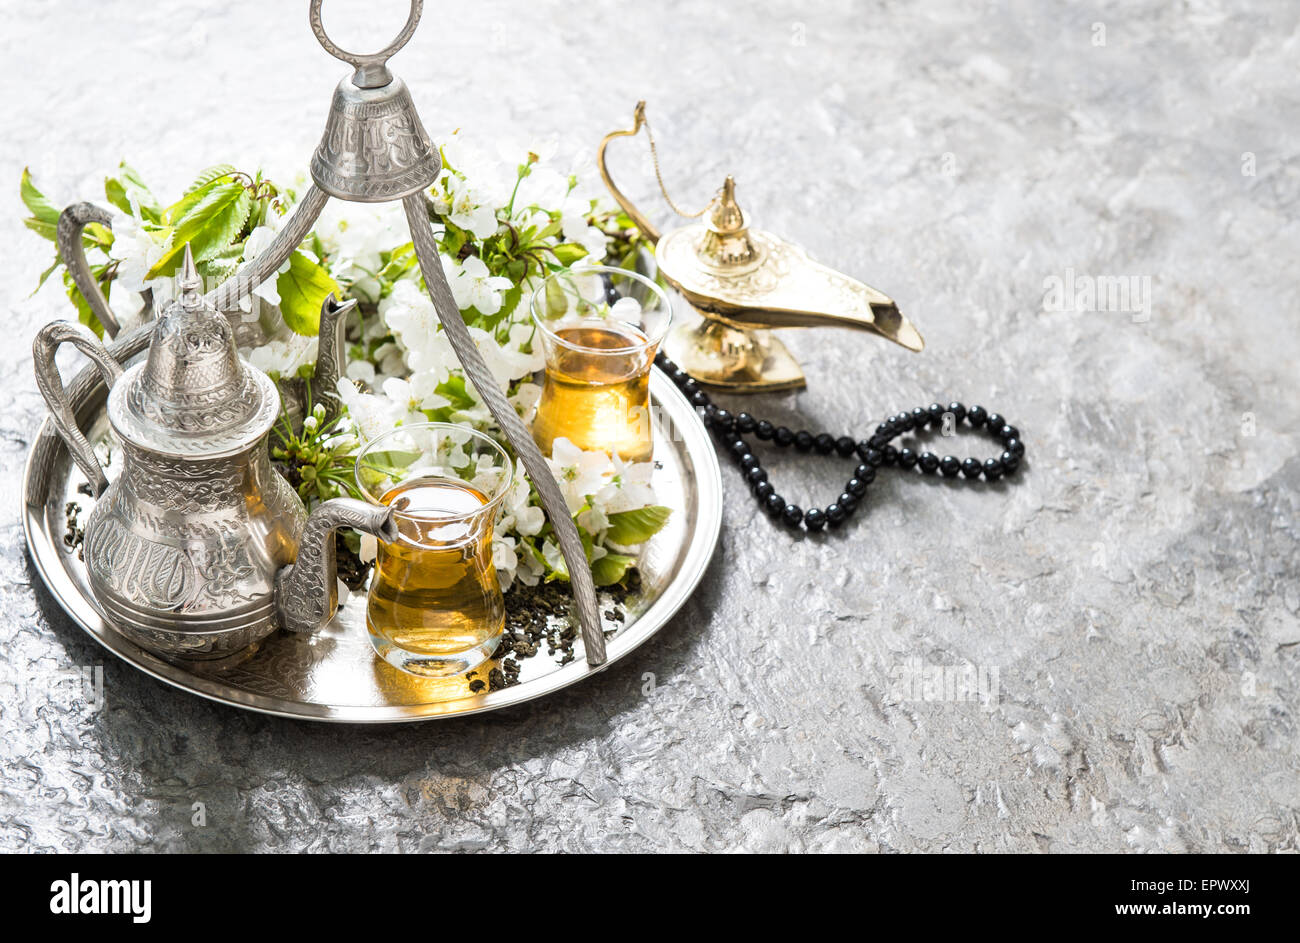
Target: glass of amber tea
{"x": 600, "y": 328}
{"x": 435, "y": 607}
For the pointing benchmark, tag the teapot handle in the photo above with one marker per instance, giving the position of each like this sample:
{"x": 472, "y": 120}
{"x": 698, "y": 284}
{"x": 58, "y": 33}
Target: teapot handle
{"x": 47, "y": 343}
{"x": 72, "y": 221}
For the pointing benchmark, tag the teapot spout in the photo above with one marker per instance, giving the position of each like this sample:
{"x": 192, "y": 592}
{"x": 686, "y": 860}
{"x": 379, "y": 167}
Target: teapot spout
{"x": 306, "y": 592}
{"x": 331, "y": 348}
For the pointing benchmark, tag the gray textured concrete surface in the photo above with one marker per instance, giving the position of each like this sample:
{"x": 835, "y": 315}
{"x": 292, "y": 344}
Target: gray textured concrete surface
{"x": 1135, "y": 590}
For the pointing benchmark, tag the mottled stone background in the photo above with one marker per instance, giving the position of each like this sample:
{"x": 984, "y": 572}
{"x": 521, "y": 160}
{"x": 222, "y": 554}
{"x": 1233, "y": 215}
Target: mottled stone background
{"x": 1135, "y": 589}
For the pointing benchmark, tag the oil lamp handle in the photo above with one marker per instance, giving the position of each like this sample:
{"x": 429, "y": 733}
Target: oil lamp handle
{"x": 557, "y": 509}
{"x": 47, "y": 343}
{"x": 642, "y": 223}
{"x": 72, "y": 221}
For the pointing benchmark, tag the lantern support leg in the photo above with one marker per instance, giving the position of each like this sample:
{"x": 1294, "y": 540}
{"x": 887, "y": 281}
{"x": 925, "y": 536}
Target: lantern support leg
{"x": 557, "y": 509}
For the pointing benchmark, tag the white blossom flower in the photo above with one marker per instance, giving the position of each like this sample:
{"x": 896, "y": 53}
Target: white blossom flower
{"x": 506, "y": 361}
{"x": 467, "y": 207}
{"x": 629, "y": 487}
{"x": 392, "y": 363}
{"x": 526, "y": 397}
{"x": 136, "y": 250}
{"x": 505, "y": 557}
{"x": 593, "y": 520}
{"x": 259, "y": 240}
{"x": 353, "y": 236}
{"x": 473, "y": 286}
{"x": 362, "y": 370}
{"x": 575, "y": 227}
{"x": 410, "y": 315}
{"x": 553, "y": 557}
{"x": 283, "y": 354}
{"x": 517, "y": 514}
{"x": 414, "y": 394}
{"x": 372, "y": 415}
{"x": 579, "y": 473}
{"x": 528, "y": 570}
{"x": 626, "y": 309}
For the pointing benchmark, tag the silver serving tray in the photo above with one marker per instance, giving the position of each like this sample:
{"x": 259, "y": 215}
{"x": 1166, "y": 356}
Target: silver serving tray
{"x": 333, "y": 675}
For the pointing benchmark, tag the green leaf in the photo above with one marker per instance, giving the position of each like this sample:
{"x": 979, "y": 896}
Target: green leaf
{"x": 455, "y": 390}
{"x": 211, "y": 175}
{"x": 629, "y": 528}
{"x": 97, "y": 234}
{"x": 221, "y": 263}
{"x": 556, "y": 303}
{"x": 47, "y": 273}
{"x": 224, "y": 232}
{"x": 611, "y": 568}
{"x": 400, "y": 261}
{"x": 84, "y": 314}
{"x": 115, "y": 192}
{"x": 569, "y": 252}
{"x": 35, "y": 200}
{"x": 454, "y": 238}
{"x": 509, "y": 301}
{"x": 209, "y": 223}
{"x": 392, "y": 463}
{"x": 41, "y": 228}
{"x": 186, "y": 205}
{"x": 515, "y": 270}
{"x": 144, "y": 198}
{"x": 303, "y": 290}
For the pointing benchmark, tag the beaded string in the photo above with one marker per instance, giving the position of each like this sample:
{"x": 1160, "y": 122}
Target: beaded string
{"x": 873, "y": 452}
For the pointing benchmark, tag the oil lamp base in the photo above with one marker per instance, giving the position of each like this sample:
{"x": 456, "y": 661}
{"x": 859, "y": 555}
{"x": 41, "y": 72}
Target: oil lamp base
{"x": 741, "y": 360}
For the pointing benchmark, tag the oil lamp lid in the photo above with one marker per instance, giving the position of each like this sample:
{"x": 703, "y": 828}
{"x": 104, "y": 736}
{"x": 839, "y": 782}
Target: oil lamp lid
{"x": 193, "y": 397}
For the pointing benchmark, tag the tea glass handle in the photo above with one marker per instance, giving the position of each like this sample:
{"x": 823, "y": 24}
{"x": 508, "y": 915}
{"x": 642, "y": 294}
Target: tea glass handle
{"x": 371, "y": 70}
{"x": 47, "y": 343}
{"x": 72, "y": 221}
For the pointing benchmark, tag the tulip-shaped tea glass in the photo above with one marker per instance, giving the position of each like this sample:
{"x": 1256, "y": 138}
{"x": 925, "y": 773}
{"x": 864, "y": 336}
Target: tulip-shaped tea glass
{"x": 600, "y": 329}
{"x": 435, "y": 607}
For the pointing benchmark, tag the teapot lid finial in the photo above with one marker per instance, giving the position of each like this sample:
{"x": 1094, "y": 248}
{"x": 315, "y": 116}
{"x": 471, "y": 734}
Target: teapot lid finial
{"x": 189, "y": 286}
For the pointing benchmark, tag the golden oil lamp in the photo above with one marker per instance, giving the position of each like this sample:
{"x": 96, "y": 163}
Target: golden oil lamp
{"x": 744, "y": 282}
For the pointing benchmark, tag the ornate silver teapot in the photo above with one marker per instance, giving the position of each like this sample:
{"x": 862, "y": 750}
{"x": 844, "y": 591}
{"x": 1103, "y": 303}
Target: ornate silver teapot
{"x": 199, "y": 547}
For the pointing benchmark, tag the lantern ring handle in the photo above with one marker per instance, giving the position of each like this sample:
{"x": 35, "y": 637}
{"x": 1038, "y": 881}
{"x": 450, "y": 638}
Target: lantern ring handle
{"x": 371, "y": 71}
